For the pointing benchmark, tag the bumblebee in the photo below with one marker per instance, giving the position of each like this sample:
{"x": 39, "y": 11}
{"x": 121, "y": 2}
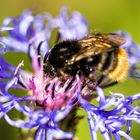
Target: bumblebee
{"x": 94, "y": 53}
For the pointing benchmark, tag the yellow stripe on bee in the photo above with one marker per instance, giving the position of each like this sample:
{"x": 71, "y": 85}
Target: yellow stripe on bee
{"x": 121, "y": 71}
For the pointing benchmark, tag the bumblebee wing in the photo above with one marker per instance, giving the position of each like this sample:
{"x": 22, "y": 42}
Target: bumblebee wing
{"x": 111, "y": 38}
{"x": 90, "y": 50}
{"x": 95, "y": 44}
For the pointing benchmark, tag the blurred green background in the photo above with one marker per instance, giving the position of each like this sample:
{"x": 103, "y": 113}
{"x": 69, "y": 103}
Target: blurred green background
{"x": 102, "y": 15}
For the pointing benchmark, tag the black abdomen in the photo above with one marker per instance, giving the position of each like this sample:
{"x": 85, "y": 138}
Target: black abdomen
{"x": 104, "y": 62}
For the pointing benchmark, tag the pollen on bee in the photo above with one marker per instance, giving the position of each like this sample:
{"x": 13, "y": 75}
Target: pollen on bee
{"x": 121, "y": 70}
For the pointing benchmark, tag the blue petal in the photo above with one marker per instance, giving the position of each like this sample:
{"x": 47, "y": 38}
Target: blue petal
{"x": 58, "y": 134}
{"x": 5, "y": 66}
{"x": 40, "y": 134}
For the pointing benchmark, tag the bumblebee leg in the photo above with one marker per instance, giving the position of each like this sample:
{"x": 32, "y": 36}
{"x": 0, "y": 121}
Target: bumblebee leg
{"x": 92, "y": 83}
{"x": 100, "y": 79}
{"x": 109, "y": 84}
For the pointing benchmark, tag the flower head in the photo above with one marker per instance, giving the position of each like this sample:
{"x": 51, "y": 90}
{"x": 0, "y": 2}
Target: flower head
{"x": 111, "y": 114}
{"x": 50, "y": 99}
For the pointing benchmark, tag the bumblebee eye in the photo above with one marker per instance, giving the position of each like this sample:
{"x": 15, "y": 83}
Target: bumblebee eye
{"x": 47, "y": 67}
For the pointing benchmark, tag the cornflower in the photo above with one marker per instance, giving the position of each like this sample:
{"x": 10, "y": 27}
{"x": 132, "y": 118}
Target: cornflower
{"x": 51, "y": 102}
